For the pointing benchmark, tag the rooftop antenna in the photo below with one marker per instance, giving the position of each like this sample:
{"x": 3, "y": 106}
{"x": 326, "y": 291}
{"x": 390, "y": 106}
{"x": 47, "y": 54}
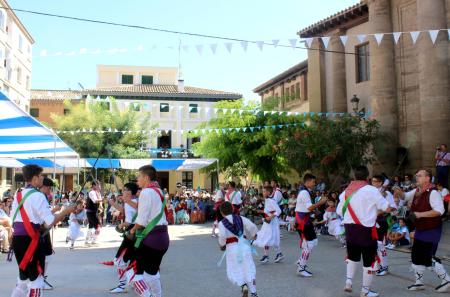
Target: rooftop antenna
{"x": 180, "y": 75}
{"x": 180, "y": 85}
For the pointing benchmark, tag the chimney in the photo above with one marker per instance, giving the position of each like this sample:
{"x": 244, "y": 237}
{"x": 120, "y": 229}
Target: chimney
{"x": 180, "y": 85}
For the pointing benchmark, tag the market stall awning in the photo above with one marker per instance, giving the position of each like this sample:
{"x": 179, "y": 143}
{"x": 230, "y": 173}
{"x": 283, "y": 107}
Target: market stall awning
{"x": 104, "y": 163}
{"x": 134, "y": 163}
{"x": 10, "y": 163}
{"x": 45, "y": 163}
{"x": 21, "y": 136}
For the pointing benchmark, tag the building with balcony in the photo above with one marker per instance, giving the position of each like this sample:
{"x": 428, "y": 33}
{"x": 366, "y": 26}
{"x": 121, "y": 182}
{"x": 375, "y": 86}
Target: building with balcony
{"x": 155, "y": 90}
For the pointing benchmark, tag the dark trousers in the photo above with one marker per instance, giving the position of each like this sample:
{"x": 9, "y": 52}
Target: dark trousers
{"x": 36, "y": 266}
{"x": 442, "y": 175}
{"x": 148, "y": 259}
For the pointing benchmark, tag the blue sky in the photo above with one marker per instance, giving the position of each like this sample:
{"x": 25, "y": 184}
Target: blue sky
{"x": 238, "y": 72}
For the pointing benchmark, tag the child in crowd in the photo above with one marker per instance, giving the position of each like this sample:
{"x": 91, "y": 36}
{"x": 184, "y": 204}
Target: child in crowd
{"x": 333, "y": 222}
{"x": 76, "y": 220}
{"x": 399, "y": 236}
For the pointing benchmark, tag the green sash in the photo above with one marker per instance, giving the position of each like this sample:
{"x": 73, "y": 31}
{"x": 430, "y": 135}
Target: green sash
{"x": 345, "y": 206}
{"x": 22, "y": 202}
{"x": 141, "y": 234}
{"x": 232, "y": 197}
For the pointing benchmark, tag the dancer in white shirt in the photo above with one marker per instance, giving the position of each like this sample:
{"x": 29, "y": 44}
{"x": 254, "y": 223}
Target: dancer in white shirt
{"x": 359, "y": 205}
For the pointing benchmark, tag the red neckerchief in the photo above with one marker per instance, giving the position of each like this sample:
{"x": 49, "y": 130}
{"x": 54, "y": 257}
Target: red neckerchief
{"x": 424, "y": 189}
{"x": 228, "y": 194}
{"x": 155, "y": 187}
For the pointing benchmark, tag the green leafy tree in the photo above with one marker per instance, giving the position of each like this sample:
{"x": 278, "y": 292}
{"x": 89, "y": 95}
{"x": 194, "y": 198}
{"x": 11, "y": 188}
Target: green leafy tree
{"x": 97, "y": 116}
{"x": 330, "y": 146}
{"x": 100, "y": 117}
{"x": 258, "y": 148}
{"x": 317, "y": 143}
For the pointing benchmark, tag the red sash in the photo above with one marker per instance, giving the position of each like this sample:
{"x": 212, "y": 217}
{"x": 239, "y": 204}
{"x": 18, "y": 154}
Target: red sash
{"x": 157, "y": 189}
{"x": 352, "y": 188}
{"x": 28, "y": 257}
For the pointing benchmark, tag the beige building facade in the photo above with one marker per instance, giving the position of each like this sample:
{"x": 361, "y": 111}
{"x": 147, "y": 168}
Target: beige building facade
{"x": 173, "y": 107}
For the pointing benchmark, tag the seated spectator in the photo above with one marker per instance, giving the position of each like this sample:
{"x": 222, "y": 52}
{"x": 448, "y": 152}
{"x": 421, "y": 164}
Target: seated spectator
{"x": 181, "y": 215}
{"x": 407, "y": 185}
{"x": 399, "y": 236}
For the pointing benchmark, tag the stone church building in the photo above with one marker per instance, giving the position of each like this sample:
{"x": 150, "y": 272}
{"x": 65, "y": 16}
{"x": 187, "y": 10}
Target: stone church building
{"x": 404, "y": 85}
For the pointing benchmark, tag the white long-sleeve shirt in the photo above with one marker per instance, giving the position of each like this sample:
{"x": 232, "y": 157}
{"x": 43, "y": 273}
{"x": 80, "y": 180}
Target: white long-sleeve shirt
{"x": 36, "y": 206}
{"x": 234, "y": 197}
{"x": 366, "y": 202}
{"x": 95, "y": 196}
{"x": 303, "y": 201}
{"x": 271, "y": 207}
{"x": 129, "y": 211}
{"x": 436, "y": 201}
{"x": 149, "y": 207}
{"x": 250, "y": 230}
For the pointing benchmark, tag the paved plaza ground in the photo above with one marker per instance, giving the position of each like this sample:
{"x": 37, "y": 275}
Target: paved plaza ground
{"x": 190, "y": 269}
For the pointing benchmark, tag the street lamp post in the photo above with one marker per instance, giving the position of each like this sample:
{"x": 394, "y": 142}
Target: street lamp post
{"x": 355, "y": 106}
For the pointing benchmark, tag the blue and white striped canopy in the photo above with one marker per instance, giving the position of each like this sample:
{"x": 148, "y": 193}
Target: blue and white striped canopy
{"x": 21, "y": 136}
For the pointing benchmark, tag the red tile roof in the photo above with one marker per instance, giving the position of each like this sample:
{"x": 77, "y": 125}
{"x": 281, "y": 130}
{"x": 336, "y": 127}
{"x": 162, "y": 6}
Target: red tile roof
{"x": 336, "y": 20}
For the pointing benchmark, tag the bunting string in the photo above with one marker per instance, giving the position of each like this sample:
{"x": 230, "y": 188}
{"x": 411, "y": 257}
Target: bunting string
{"x": 243, "y": 45}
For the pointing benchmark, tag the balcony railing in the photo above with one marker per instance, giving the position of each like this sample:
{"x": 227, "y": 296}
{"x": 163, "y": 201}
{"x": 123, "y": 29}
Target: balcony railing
{"x": 178, "y": 153}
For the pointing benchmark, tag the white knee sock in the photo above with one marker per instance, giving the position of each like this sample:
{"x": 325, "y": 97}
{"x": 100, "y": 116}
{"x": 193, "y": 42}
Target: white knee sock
{"x": 307, "y": 247}
{"x": 351, "y": 270}
{"x": 439, "y": 269}
{"x": 21, "y": 288}
{"x": 88, "y": 235}
{"x": 252, "y": 286}
{"x": 140, "y": 286}
{"x": 154, "y": 283}
{"x": 382, "y": 254}
{"x": 367, "y": 279}
{"x": 418, "y": 273}
{"x": 48, "y": 259}
{"x": 277, "y": 249}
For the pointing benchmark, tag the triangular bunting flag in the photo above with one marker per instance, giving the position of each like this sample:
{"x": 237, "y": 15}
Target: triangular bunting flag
{"x": 229, "y": 46}
{"x": 273, "y": 112}
{"x": 293, "y": 43}
{"x": 240, "y": 111}
{"x": 213, "y": 47}
{"x": 379, "y": 38}
{"x": 344, "y": 39}
{"x": 361, "y": 38}
{"x": 266, "y": 112}
{"x": 448, "y": 33}
{"x": 251, "y": 129}
{"x": 199, "y": 48}
{"x": 326, "y": 41}
{"x": 186, "y": 48}
{"x": 244, "y": 45}
{"x": 309, "y": 41}
{"x": 433, "y": 35}
{"x": 260, "y": 45}
{"x": 275, "y": 42}
{"x": 396, "y": 36}
{"x": 414, "y": 36}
